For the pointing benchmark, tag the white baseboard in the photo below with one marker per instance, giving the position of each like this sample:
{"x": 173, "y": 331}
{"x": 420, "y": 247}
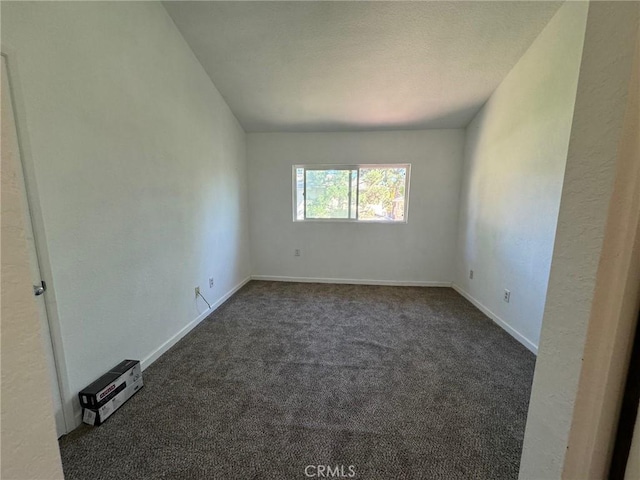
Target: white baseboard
{"x": 177, "y": 337}
{"x": 351, "y": 281}
{"x": 77, "y": 420}
{"x": 190, "y": 326}
{"x": 499, "y": 321}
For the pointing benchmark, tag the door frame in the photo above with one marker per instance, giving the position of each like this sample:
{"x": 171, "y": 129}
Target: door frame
{"x": 37, "y": 225}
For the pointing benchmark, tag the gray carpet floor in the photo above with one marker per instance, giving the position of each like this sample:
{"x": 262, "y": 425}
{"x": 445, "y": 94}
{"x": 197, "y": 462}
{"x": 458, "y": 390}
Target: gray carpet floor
{"x": 398, "y": 382}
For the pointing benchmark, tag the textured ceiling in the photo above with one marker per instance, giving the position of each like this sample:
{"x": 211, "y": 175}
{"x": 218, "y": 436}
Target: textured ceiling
{"x": 333, "y": 66}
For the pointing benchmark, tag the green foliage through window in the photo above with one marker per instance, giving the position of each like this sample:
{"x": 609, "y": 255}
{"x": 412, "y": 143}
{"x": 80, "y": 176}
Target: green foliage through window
{"x": 363, "y": 193}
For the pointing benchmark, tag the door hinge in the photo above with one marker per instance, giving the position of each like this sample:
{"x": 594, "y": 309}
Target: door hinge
{"x": 40, "y": 289}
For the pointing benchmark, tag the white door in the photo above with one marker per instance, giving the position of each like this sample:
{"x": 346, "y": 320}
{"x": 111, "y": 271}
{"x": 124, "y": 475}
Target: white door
{"x": 10, "y": 146}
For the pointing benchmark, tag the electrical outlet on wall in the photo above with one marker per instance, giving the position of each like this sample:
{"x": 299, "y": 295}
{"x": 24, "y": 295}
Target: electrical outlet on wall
{"x": 507, "y": 295}
{"x": 471, "y": 274}
{"x": 296, "y": 252}
{"x": 210, "y": 282}
{"x": 197, "y": 290}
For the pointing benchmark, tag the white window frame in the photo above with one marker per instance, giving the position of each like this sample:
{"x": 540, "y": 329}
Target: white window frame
{"x": 356, "y": 167}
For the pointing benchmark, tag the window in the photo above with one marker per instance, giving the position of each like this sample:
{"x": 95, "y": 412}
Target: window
{"x": 356, "y": 193}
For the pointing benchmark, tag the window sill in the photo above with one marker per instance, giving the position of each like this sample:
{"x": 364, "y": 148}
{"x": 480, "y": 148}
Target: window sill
{"x": 349, "y": 220}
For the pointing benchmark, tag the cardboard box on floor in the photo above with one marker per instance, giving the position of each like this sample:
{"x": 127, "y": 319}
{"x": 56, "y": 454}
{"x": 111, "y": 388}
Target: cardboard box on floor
{"x": 104, "y": 396}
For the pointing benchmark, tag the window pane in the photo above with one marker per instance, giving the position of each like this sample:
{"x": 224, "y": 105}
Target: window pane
{"x": 327, "y": 193}
{"x": 382, "y": 194}
{"x": 353, "y": 208}
{"x": 299, "y": 193}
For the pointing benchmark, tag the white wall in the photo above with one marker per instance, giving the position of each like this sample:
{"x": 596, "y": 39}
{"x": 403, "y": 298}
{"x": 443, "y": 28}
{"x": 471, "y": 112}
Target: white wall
{"x": 515, "y": 156}
{"x": 615, "y": 304}
{"x": 419, "y": 252}
{"x": 579, "y": 296}
{"x": 141, "y": 176}
{"x": 28, "y": 439}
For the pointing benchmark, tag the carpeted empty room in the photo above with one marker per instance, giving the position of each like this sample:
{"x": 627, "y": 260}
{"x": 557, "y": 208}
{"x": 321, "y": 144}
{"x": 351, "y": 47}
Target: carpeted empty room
{"x": 247, "y": 240}
{"x": 398, "y": 382}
